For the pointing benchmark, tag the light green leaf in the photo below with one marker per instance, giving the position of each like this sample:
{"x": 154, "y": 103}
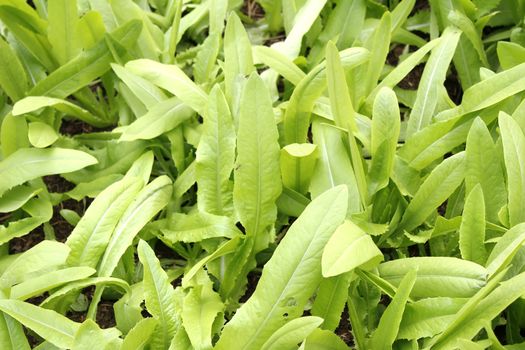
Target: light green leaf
{"x": 45, "y": 256}
{"x": 297, "y": 116}
{"x": 472, "y": 229}
{"x": 146, "y": 92}
{"x": 288, "y": 336}
{"x": 159, "y": 295}
{"x": 297, "y": 165}
{"x": 480, "y": 314}
{"x": 386, "y": 123}
{"x": 41, "y": 135}
{"x": 493, "y": 89}
{"x": 12, "y": 335}
{"x": 386, "y": 332}
{"x": 505, "y": 249}
{"x": 61, "y": 32}
{"x": 433, "y": 78}
{"x": 330, "y": 300}
{"x": 257, "y": 177}
{"x": 333, "y": 166}
{"x": 16, "y": 198}
{"x": 34, "y": 103}
{"x": 92, "y": 234}
{"x": 38, "y": 285}
{"x": 279, "y": 62}
{"x": 484, "y": 166}
{"x": 324, "y": 340}
{"x": 215, "y": 157}
{"x": 146, "y": 204}
{"x": 195, "y": 227}
{"x": 514, "y": 154}
{"x": 238, "y": 59}
{"x": 437, "y": 276}
{"x": 436, "y": 188}
{"x": 172, "y": 79}
{"x": 76, "y": 286}
{"x": 12, "y": 141}
{"x": 510, "y": 54}
{"x": 13, "y": 77}
{"x": 200, "y": 308}
{"x": 30, "y": 163}
{"x": 89, "y": 336}
{"x": 428, "y": 317}
{"x": 49, "y": 324}
{"x": 349, "y": 248}
{"x": 87, "y": 66}
{"x": 139, "y": 336}
{"x": 290, "y": 277}
{"x": 161, "y": 118}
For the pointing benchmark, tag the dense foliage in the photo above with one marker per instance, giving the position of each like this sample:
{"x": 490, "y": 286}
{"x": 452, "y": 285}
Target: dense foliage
{"x": 280, "y": 174}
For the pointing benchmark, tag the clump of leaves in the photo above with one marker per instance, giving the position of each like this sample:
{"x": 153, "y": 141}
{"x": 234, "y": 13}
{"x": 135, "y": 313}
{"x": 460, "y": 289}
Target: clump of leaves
{"x": 325, "y": 174}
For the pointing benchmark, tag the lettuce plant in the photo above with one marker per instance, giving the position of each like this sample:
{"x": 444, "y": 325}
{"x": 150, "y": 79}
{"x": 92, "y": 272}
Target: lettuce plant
{"x": 295, "y": 174}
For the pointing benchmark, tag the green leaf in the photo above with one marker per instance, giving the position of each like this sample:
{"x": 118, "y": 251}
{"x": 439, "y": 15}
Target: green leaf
{"x": 200, "y": 308}
{"x": 290, "y": 277}
{"x": 330, "y": 300}
{"x": 297, "y": 166}
{"x": 195, "y": 227}
{"x": 484, "y": 167}
{"x": 146, "y": 92}
{"x": 324, "y": 340}
{"x": 437, "y": 276}
{"x": 386, "y": 332}
{"x": 279, "y": 62}
{"x": 161, "y": 118}
{"x": 34, "y": 103}
{"x": 146, "y": 204}
{"x": 505, "y": 249}
{"x": 510, "y": 54}
{"x": 257, "y": 176}
{"x": 43, "y": 257}
{"x": 89, "y": 336}
{"x": 333, "y": 166}
{"x": 481, "y": 314}
{"x": 13, "y": 77}
{"x": 472, "y": 229}
{"x": 297, "y": 116}
{"x": 62, "y": 29}
{"x": 428, "y": 317}
{"x": 402, "y": 69}
{"x": 11, "y": 141}
{"x": 30, "y": 163}
{"x": 514, "y": 154}
{"x": 493, "y": 89}
{"x": 433, "y": 78}
{"x": 386, "y": 123}
{"x": 349, "y": 248}
{"x": 16, "y": 198}
{"x": 172, "y": 79}
{"x": 86, "y": 67}
{"x": 139, "y": 336}
{"x": 215, "y": 157}
{"x": 288, "y": 336}
{"x": 38, "y": 285}
{"x": 92, "y": 233}
{"x": 436, "y": 188}
{"x": 12, "y": 335}
{"x": 41, "y": 135}
{"x": 159, "y": 295}
{"x": 49, "y": 324}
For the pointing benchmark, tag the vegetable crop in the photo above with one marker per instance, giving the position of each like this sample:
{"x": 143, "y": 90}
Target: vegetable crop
{"x": 273, "y": 174}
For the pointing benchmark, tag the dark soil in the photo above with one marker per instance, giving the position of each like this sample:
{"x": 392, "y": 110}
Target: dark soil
{"x": 72, "y": 127}
{"x": 344, "y": 328}
{"x": 252, "y": 9}
{"x": 253, "y": 279}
